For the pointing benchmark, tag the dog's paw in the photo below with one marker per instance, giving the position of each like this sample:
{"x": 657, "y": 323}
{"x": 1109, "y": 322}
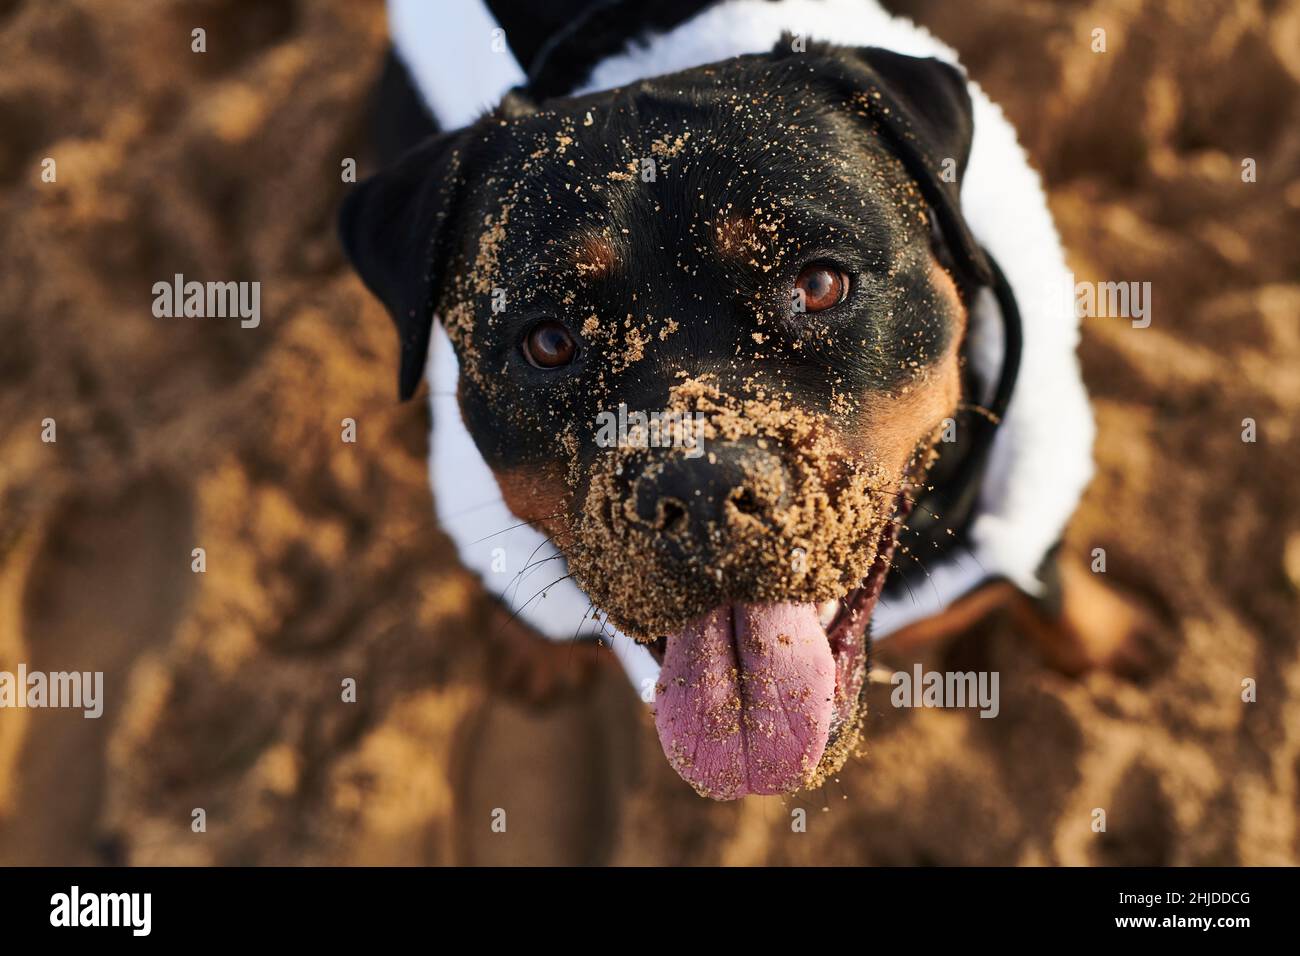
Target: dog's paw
{"x": 1099, "y": 628}
{"x": 533, "y": 669}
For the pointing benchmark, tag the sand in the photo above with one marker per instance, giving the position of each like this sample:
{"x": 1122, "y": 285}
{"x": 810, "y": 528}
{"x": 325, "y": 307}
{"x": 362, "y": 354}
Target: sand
{"x": 800, "y": 528}
{"x": 323, "y": 562}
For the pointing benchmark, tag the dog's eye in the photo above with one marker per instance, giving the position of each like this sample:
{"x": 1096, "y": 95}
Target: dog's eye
{"x": 818, "y": 287}
{"x": 549, "y": 345}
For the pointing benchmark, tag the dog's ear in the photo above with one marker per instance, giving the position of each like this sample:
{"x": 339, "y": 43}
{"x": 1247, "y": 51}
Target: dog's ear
{"x": 397, "y": 227}
{"x": 922, "y": 107}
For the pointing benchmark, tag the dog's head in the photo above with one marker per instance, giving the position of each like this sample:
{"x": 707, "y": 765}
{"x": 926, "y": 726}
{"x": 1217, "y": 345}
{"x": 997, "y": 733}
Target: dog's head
{"x": 709, "y": 332}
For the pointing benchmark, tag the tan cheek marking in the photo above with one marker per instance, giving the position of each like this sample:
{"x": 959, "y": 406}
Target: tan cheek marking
{"x": 893, "y": 424}
{"x": 943, "y": 282}
{"x": 538, "y": 497}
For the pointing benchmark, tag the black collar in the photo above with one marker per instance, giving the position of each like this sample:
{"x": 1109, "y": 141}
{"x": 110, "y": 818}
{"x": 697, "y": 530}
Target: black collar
{"x": 557, "y": 43}
{"x": 941, "y": 515}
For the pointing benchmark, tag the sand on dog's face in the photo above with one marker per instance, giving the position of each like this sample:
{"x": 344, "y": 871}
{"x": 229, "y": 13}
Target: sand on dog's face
{"x": 800, "y": 522}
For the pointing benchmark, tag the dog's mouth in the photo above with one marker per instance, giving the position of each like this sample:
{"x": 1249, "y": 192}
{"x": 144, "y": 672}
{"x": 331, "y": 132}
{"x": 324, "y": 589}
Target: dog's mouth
{"x": 764, "y": 698}
{"x": 760, "y": 687}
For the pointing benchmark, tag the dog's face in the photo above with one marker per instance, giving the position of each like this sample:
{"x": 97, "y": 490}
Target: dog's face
{"x": 750, "y": 261}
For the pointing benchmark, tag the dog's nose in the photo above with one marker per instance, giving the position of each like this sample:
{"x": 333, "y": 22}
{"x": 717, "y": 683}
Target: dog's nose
{"x": 684, "y": 497}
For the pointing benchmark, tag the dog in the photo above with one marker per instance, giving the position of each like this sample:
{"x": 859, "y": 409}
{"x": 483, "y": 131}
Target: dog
{"x": 826, "y": 266}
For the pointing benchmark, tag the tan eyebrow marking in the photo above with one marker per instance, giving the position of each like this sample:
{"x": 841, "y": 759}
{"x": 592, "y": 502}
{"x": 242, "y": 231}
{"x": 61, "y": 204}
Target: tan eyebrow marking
{"x": 595, "y": 257}
{"x": 736, "y": 237}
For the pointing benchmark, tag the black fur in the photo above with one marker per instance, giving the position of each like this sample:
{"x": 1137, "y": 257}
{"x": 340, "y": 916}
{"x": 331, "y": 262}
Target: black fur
{"x": 832, "y": 120}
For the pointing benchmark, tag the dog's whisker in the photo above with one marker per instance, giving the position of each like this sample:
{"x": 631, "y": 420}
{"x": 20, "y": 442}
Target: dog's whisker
{"x": 519, "y": 610}
{"x": 444, "y": 519}
{"x": 436, "y": 528}
{"x": 530, "y": 522}
{"x": 911, "y": 501}
{"x": 955, "y": 539}
{"x": 534, "y": 563}
{"x": 549, "y": 539}
{"x": 609, "y": 635}
{"x": 577, "y": 630}
{"x": 902, "y": 576}
{"x": 517, "y": 581}
{"x": 928, "y": 576}
{"x": 528, "y": 563}
{"x": 473, "y": 508}
{"x": 957, "y": 543}
{"x": 965, "y": 547}
{"x": 527, "y": 570}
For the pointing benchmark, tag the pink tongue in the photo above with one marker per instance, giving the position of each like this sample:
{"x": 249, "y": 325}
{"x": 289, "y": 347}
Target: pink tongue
{"x": 745, "y": 699}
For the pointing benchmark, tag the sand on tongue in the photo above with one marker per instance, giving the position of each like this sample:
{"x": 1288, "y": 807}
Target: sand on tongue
{"x": 745, "y": 699}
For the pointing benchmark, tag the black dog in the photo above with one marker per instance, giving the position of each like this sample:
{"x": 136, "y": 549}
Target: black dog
{"x": 769, "y": 250}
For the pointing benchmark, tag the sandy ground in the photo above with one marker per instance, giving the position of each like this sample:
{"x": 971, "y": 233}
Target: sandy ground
{"x": 323, "y": 563}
